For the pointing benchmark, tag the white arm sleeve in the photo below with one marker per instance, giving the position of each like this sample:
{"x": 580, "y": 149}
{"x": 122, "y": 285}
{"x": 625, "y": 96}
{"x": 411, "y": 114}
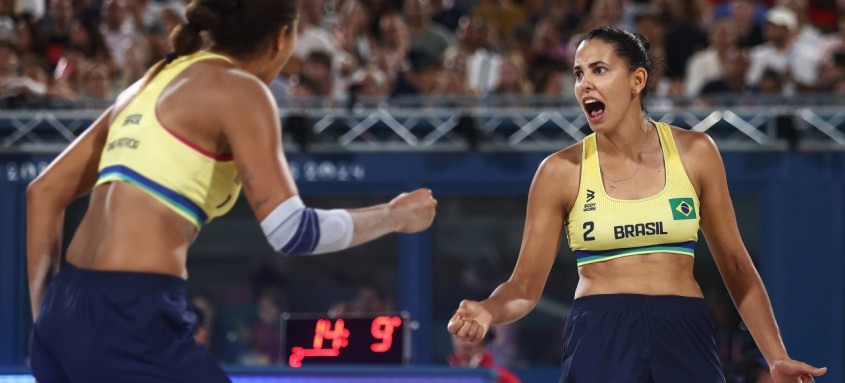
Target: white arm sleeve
{"x": 294, "y": 229}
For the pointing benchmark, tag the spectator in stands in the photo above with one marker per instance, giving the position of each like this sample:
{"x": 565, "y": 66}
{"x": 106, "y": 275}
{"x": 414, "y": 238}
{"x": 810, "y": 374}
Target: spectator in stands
{"x": 138, "y": 60}
{"x": 369, "y": 299}
{"x": 205, "y": 313}
{"x": 502, "y": 15}
{"x": 67, "y": 76}
{"x": 420, "y": 76}
{"x": 28, "y": 88}
{"x": 172, "y": 14}
{"x": 118, "y": 30}
{"x": 265, "y": 347}
{"x": 10, "y": 59}
{"x": 512, "y": 76}
{"x": 318, "y": 68}
{"x": 732, "y": 80}
{"x": 706, "y": 65}
{"x": 550, "y": 40}
{"x": 448, "y": 12}
{"x": 682, "y": 39}
{"x": 794, "y": 62}
{"x": 475, "y": 355}
{"x": 393, "y": 48}
{"x": 56, "y": 26}
{"x": 29, "y": 38}
{"x": 423, "y": 34}
{"x": 370, "y": 82}
{"x": 653, "y": 26}
{"x": 744, "y": 14}
{"x": 477, "y": 41}
{"x": 835, "y": 42}
{"x": 97, "y": 84}
{"x": 453, "y": 79}
{"x": 301, "y": 87}
{"x": 603, "y": 13}
{"x": 313, "y": 36}
{"x": 549, "y": 78}
{"x": 90, "y": 41}
{"x": 807, "y": 35}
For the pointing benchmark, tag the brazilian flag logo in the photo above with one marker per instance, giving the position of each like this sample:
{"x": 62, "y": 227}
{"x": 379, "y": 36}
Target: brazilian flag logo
{"x": 682, "y": 208}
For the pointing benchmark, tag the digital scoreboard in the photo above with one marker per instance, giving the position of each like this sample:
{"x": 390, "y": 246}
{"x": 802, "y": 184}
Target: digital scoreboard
{"x": 377, "y": 339}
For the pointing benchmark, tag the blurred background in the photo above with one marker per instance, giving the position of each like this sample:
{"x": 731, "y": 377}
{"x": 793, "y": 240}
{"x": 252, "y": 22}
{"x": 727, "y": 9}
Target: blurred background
{"x": 465, "y": 97}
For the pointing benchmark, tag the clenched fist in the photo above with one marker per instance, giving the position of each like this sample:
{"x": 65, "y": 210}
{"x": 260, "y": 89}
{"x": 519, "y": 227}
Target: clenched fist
{"x": 413, "y": 211}
{"x": 470, "y": 322}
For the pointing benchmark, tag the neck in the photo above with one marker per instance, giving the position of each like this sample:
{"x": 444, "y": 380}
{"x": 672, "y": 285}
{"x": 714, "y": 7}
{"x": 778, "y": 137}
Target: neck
{"x": 629, "y": 139}
{"x": 257, "y": 67}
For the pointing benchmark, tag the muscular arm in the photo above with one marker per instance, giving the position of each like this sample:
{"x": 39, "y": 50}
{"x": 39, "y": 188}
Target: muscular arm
{"x": 250, "y": 122}
{"x": 718, "y": 222}
{"x": 548, "y": 201}
{"x": 72, "y": 174}
{"x": 541, "y": 237}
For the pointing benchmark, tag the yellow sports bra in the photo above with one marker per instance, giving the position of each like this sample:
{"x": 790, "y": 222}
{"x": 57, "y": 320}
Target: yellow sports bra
{"x": 601, "y": 228}
{"x": 195, "y": 184}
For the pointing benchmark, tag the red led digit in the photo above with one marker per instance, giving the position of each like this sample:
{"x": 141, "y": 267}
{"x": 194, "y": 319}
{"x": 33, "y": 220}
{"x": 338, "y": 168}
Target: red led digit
{"x": 339, "y": 334}
{"x": 382, "y": 328}
{"x": 319, "y": 331}
{"x": 323, "y": 330}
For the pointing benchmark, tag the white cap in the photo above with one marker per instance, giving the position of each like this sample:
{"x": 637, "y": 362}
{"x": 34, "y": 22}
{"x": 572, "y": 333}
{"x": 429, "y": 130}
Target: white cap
{"x": 782, "y": 16}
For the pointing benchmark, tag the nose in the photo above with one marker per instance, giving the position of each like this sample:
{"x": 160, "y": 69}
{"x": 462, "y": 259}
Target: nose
{"x": 586, "y": 83}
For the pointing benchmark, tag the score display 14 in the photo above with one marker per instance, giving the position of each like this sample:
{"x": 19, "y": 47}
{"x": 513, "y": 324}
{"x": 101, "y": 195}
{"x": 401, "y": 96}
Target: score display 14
{"x": 361, "y": 339}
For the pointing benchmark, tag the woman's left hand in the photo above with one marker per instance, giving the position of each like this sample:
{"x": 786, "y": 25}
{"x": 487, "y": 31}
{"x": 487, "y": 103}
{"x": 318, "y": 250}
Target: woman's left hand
{"x": 793, "y": 371}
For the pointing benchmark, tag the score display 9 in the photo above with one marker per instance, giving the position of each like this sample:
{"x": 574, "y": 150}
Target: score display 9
{"x": 309, "y": 339}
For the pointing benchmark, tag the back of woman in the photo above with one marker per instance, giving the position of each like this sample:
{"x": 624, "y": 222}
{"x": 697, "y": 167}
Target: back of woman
{"x": 173, "y": 153}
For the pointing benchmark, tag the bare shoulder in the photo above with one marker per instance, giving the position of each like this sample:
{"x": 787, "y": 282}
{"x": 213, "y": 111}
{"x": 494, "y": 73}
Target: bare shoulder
{"x": 699, "y": 155}
{"x": 563, "y": 161}
{"x": 230, "y": 87}
{"x": 559, "y": 175}
{"x": 696, "y": 146}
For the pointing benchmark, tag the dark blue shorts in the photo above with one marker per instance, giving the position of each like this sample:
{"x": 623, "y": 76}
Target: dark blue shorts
{"x": 629, "y": 338}
{"x": 104, "y": 326}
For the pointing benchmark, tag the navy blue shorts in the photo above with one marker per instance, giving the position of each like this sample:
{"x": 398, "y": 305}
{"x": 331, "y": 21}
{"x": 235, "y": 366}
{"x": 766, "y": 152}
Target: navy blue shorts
{"x": 104, "y": 326}
{"x": 629, "y": 338}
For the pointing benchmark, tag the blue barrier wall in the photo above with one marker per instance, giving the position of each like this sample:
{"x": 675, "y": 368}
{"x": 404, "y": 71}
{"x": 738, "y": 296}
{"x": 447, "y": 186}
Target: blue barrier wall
{"x": 801, "y": 196}
{"x": 326, "y": 375}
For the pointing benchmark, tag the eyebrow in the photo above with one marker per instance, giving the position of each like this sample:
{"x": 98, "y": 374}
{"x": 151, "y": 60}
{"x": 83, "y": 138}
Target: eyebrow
{"x": 591, "y": 65}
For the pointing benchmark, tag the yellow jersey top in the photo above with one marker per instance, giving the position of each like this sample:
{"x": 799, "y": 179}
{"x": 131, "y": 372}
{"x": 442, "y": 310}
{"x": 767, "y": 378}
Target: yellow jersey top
{"x": 600, "y": 227}
{"x": 195, "y": 184}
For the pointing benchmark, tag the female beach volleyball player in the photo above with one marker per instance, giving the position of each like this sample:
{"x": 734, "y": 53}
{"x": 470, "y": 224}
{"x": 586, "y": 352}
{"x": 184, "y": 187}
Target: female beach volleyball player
{"x": 631, "y": 198}
{"x": 170, "y": 155}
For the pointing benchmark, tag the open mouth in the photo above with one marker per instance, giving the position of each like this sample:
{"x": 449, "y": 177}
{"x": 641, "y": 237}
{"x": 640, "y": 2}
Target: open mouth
{"x": 594, "y": 108}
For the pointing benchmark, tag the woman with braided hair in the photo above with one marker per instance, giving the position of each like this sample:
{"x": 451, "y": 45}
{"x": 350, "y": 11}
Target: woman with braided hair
{"x": 171, "y": 154}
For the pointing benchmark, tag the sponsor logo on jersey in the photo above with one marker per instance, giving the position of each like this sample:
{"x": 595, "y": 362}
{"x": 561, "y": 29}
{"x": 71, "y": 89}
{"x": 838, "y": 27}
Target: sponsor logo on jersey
{"x": 132, "y": 119}
{"x": 124, "y": 142}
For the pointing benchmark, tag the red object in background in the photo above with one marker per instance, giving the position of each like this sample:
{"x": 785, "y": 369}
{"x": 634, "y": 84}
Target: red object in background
{"x": 487, "y": 361}
{"x": 350, "y": 340}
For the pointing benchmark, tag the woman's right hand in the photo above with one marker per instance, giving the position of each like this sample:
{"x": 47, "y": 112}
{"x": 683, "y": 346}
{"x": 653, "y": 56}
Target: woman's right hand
{"x": 413, "y": 211}
{"x": 470, "y": 322}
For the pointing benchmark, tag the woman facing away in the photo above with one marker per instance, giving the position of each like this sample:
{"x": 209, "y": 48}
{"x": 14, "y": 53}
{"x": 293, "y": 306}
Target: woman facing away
{"x": 631, "y": 198}
{"x": 171, "y": 154}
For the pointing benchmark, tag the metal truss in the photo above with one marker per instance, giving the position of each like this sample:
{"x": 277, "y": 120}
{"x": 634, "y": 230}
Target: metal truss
{"x": 468, "y": 127}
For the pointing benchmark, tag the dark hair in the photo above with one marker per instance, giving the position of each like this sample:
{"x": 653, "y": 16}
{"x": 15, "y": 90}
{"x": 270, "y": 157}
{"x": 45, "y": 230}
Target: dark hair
{"x": 236, "y": 27}
{"x": 631, "y": 47}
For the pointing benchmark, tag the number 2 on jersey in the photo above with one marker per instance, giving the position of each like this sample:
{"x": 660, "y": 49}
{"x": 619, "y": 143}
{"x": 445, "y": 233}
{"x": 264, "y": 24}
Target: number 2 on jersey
{"x": 589, "y": 226}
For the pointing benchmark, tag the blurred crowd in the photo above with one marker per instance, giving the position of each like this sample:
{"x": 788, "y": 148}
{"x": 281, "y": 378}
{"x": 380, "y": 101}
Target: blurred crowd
{"x": 57, "y": 53}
